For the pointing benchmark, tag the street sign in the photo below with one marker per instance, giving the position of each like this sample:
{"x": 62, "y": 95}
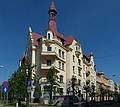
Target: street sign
{"x": 4, "y": 89}
{"x": 5, "y": 84}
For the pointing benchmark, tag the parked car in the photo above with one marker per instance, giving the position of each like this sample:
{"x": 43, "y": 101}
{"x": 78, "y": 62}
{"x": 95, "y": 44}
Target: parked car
{"x": 69, "y": 101}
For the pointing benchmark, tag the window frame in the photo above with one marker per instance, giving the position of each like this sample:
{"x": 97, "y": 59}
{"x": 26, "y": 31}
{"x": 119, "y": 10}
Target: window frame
{"x": 49, "y": 36}
{"x": 59, "y": 65}
{"x": 61, "y": 78}
{"x": 49, "y": 48}
{"x": 49, "y": 62}
{"x": 79, "y": 71}
{"x": 74, "y": 69}
{"x": 63, "y": 54}
{"x": 63, "y": 65}
{"x": 59, "y": 52}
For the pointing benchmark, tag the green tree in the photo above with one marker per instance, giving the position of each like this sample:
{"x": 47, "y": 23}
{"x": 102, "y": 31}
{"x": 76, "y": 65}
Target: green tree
{"x": 37, "y": 91}
{"x": 19, "y": 80}
{"x": 52, "y": 80}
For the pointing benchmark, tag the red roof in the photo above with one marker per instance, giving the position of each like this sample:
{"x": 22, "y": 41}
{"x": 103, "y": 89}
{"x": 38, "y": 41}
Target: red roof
{"x": 88, "y": 56}
{"x": 53, "y": 28}
{"x": 35, "y": 37}
{"x": 69, "y": 40}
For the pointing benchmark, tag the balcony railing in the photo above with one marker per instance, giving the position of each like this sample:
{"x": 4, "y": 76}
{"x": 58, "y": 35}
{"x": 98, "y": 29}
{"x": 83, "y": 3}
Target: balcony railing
{"x": 53, "y": 53}
{"x": 45, "y": 66}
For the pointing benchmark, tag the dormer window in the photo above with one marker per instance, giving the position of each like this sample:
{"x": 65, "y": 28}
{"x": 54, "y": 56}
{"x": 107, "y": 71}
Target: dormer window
{"x": 49, "y": 48}
{"x": 49, "y": 36}
{"x": 76, "y": 48}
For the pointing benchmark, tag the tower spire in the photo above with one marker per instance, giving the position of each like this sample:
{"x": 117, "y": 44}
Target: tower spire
{"x": 52, "y": 8}
{"x": 52, "y": 17}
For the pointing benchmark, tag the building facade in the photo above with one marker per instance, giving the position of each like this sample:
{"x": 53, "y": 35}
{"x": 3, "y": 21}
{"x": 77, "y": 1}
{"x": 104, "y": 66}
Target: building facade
{"x": 64, "y": 53}
{"x": 104, "y": 87}
{"x": 90, "y": 71}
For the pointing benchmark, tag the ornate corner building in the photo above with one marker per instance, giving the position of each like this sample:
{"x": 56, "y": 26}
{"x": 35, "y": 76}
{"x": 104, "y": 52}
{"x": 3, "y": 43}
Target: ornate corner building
{"x": 64, "y": 53}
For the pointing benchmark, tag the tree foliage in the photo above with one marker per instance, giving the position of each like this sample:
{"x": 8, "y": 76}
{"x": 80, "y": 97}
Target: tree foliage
{"x": 18, "y": 80}
{"x": 52, "y": 80}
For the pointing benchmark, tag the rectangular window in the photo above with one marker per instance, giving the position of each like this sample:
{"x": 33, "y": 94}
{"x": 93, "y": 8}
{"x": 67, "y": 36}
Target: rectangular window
{"x": 79, "y": 71}
{"x": 61, "y": 78}
{"x": 48, "y": 62}
{"x": 59, "y": 65}
{"x": 73, "y": 58}
{"x": 62, "y": 66}
{"x": 74, "y": 69}
{"x": 76, "y": 48}
{"x": 49, "y": 48}
{"x": 79, "y": 62}
{"x": 63, "y": 55}
{"x": 49, "y": 36}
{"x": 59, "y": 53}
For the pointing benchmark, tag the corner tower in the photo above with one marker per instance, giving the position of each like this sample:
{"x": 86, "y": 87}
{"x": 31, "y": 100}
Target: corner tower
{"x": 52, "y": 17}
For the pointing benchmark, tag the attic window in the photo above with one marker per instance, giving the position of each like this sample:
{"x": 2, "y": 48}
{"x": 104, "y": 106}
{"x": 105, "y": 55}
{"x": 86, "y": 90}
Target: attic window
{"x": 49, "y": 36}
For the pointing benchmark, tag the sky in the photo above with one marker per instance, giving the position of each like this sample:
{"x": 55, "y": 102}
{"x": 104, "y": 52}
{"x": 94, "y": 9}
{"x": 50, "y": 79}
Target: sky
{"x": 95, "y": 24}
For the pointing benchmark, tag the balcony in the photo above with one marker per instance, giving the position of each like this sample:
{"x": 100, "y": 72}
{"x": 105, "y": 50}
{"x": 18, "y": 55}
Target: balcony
{"x": 45, "y": 66}
{"x": 48, "y": 42}
{"x": 51, "y": 53}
